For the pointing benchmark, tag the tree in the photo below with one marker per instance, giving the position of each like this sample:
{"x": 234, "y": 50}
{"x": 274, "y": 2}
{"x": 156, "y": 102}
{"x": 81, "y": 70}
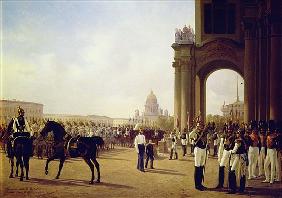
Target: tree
{"x": 165, "y": 123}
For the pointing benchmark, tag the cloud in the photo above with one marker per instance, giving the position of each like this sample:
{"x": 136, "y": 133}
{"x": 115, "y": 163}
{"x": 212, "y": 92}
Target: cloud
{"x": 92, "y": 57}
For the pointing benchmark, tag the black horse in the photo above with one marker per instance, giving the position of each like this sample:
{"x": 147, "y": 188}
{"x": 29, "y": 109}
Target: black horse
{"x": 86, "y": 148}
{"x": 19, "y": 147}
{"x": 22, "y": 151}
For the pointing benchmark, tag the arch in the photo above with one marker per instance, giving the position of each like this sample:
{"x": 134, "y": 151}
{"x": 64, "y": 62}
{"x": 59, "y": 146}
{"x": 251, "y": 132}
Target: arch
{"x": 207, "y": 69}
{"x": 204, "y": 72}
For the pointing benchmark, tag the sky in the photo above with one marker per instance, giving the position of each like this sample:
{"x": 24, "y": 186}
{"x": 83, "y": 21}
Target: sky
{"x": 95, "y": 57}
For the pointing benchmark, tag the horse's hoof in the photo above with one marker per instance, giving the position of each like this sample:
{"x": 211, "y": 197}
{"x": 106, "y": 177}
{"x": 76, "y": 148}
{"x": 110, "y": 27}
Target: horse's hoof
{"x": 91, "y": 182}
{"x": 46, "y": 172}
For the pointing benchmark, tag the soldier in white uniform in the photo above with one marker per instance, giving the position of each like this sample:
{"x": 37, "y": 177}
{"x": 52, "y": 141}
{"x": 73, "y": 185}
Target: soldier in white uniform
{"x": 173, "y": 148}
{"x": 278, "y": 150}
{"x": 262, "y": 152}
{"x": 184, "y": 141}
{"x": 240, "y": 161}
{"x": 199, "y": 134}
{"x": 253, "y": 151}
{"x": 226, "y": 143}
{"x": 271, "y": 154}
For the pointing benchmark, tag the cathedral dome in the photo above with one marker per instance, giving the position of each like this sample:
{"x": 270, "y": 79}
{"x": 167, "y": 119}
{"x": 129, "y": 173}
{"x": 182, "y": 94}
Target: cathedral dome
{"x": 151, "y": 98}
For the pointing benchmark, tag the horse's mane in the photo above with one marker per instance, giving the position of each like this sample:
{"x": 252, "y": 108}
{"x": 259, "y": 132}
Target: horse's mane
{"x": 59, "y": 131}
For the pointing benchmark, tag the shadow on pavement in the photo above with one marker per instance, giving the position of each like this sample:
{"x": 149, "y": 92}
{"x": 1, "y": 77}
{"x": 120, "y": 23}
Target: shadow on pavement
{"x": 75, "y": 182}
{"x": 110, "y": 158}
{"x": 164, "y": 171}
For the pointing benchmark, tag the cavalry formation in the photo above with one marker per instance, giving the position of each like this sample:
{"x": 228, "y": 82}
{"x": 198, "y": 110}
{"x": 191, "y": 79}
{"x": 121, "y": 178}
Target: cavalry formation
{"x": 20, "y": 143}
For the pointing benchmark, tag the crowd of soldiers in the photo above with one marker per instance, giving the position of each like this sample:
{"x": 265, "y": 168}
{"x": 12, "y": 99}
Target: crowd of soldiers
{"x": 252, "y": 150}
{"x": 122, "y": 135}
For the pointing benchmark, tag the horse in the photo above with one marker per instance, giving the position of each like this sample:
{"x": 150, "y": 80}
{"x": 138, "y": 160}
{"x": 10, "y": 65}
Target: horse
{"x": 22, "y": 151}
{"x": 8, "y": 140}
{"x": 86, "y": 148}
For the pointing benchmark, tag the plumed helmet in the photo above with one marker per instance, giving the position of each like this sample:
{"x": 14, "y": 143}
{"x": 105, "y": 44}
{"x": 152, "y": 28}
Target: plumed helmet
{"x": 262, "y": 125}
{"x": 253, "y": 124}
{"x": 241, "y": 131}
{"x": 279, "y": 126}
{"x": 20, "y": 110}
{"x": 271, "y": 125}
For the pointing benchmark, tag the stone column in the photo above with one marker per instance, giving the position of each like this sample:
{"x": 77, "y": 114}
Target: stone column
{"x": 185, "y": 92}
{"x": 203, "y": 98}
{"x": 263, "y": 78}
{"x": 177, "y": 93}
{"x": 275, "y": 67}
{"x": 249, "y": 69}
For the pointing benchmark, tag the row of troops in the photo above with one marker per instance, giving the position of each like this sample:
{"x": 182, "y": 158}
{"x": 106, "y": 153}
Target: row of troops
{"x": 241, "y": 151}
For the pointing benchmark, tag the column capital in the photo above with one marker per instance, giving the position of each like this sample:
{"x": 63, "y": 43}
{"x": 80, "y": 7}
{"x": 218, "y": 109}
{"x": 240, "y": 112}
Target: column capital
{"x": 250, "y": 25}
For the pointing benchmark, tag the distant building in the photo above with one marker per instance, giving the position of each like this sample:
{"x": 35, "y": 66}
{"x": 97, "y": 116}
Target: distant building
{"x": 9, "y": 109}
{"x": 103, "y": 120}
{"x": 234, "y": 111}
{"x": 151, "y": 113}
{"x": 119, "y": 122}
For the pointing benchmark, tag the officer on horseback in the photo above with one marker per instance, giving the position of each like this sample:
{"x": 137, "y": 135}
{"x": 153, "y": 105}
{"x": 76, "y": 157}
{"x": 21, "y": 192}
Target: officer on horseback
{"x": 20, "y": 123}
{"x": 21, "y": 127}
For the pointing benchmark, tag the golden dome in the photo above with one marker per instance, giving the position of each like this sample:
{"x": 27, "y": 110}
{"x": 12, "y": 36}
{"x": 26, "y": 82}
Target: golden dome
{"x": 151, "y": 98}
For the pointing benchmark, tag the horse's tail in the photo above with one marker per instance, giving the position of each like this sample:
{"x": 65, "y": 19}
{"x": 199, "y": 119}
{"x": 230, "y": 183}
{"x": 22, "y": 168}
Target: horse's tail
{"x": 98, "y": 140}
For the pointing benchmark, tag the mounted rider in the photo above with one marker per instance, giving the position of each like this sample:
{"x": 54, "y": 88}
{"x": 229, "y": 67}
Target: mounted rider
{"x": 21, "y": 127}
{"x": 20, "y": 123}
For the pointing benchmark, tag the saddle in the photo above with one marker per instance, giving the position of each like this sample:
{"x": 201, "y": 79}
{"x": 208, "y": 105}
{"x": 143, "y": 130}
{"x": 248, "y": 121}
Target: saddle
{"x": 71, "y": 147}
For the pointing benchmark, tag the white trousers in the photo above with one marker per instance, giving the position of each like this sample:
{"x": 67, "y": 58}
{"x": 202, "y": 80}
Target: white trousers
{"x": 261, "y": 161}
{"x": 225, "y": 158}
{"x": 270, "y": 160}
{"x": 200, "y": 156}
{"x": 278, "y": 166}
{"x": 253, "y": 160}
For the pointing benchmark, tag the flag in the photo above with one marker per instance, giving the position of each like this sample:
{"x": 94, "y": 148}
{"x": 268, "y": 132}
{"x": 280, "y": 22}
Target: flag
{"x": 177, "y": 123}
{"x": 188, "y": 121}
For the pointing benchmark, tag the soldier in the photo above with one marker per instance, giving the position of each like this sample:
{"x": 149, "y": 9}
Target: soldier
{"x": 21, "y": 124}
{"x": 139, "y": 143}
{"x": 150, "y": 154}
{"x": 262, "y": 151}
{"x": 199, "y": 134}
{"x": 240, "y": 161}
{"x": 173, "y": 148}
{"x": 278, "y": 150}
{"x": 271, "y": 153}
{"x": 227, "y": 142}
{"x": 253, "y": 150}
{"x": 184, "y": 140}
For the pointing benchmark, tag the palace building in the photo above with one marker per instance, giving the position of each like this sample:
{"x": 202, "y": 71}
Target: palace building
{"x": 244, "y": 36}
{"x": 9, "y": 109}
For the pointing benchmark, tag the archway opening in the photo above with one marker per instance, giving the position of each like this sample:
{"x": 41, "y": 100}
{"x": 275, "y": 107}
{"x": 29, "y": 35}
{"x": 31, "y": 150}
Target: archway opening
{"x": 224, "y": 97}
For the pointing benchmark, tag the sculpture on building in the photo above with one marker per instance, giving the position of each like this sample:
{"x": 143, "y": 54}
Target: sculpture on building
{"x": 184, "y": 36}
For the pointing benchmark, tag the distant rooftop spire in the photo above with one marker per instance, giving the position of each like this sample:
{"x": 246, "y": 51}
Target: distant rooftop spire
{"x": 237, "y": 100}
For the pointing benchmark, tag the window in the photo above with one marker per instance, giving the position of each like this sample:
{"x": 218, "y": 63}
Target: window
{"x": 219, "y": 17}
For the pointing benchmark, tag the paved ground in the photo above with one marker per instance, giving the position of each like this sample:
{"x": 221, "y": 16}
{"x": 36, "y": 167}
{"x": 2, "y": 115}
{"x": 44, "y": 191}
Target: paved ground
{"x": 119, "y": 178}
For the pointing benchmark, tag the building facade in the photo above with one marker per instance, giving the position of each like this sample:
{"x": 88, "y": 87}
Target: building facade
{"x": 244, "y": 36}
{"x": 151, "y": 112}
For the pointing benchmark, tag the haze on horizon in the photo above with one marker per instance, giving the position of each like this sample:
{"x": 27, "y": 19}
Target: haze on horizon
{"x": 97, "y": 57}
